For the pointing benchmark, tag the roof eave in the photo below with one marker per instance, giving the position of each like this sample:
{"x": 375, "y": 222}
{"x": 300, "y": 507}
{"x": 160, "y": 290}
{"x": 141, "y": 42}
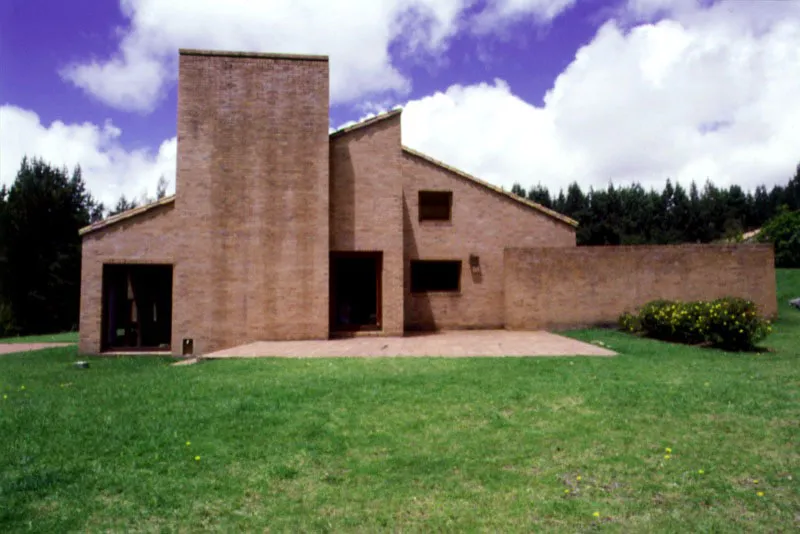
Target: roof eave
{"x": 125, "y": 215}
{"x": 367, "y": 122}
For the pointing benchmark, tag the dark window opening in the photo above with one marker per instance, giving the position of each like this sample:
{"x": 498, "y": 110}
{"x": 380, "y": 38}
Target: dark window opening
{"x": 356, "y": 290}
{"x": 137, "y": 307}
{"x": 427, "y": 275}
{"x": 435, "y": 205}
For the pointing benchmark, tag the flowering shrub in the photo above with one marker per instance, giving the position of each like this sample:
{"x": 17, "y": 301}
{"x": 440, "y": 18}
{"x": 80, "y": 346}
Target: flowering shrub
{"x": 728, "y": 323}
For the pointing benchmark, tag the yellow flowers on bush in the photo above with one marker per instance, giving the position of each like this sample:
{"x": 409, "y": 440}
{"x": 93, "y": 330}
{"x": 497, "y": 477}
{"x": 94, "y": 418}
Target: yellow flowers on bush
{"x": 728, "y": 323}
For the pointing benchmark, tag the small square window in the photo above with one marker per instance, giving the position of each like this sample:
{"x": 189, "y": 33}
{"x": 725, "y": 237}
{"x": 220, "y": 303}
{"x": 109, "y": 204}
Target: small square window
{"x": 435, "y": 205}
{"x": 435, "y": 275}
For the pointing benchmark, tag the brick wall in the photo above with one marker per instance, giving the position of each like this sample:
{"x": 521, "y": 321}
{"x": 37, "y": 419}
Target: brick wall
{"x": 151, "y": 237}
{"x": 552, "y": 289}
{"x": 252, "y": 199}
{"x": 484, "y": 223}
{"x": 366, "y": 205}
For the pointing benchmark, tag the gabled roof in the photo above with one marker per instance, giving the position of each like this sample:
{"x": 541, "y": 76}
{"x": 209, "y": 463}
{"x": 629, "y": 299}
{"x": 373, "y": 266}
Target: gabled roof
{"x": 135, "y": 212}
{"x": 368, "y": 122}
{"x": 525, "y": 202}
{"x": 125, "y": 215}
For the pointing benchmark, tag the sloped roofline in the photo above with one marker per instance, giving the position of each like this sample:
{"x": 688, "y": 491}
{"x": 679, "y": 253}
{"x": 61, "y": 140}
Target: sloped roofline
{"x": 367, "y": 122}
{"x": 135, "y": 212}
{"x": 125, "y": 215}
{"x": 525, "y": 202}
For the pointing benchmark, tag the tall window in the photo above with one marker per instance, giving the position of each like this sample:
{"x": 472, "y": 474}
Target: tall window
{"x": 435, "y": 275}
{"x": 435, "y": 205}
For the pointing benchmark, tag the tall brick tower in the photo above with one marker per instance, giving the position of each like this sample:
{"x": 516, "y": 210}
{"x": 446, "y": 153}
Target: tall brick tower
{"x": 252, "y": 198}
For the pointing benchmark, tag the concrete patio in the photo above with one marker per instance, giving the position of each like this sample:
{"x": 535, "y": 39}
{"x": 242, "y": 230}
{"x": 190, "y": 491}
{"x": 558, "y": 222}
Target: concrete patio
{"x": 454, "y": 344}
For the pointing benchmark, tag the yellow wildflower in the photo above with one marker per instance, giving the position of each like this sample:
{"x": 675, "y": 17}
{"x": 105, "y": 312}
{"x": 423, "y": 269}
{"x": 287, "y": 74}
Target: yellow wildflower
{"x": 596, "y": 514}
{"x": 760, "y": 493}
{"x": 188, "y": 443}
{"x": 668, "y": 449}
{"x": 578, "y": 477}
{"x": 700, "y": 471}
{"x": 196, "y": 458}
{"x": 566, "y": 491}
{"x": 666, "y": 456}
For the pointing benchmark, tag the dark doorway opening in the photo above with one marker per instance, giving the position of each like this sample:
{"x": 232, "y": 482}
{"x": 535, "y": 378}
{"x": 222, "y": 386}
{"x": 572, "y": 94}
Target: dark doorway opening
{"x": 137, "y": 307}
{"x": 356, "y": 291}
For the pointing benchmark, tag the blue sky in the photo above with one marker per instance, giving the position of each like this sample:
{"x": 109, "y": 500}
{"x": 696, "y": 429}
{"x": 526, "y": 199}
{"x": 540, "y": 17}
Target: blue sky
{"x": 529, "y": 91}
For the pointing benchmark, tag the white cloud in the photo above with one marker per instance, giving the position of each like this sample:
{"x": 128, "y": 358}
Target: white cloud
{"x": 356, "y": 34}
{"x": 708, "y": 94}
{"x": 108, "y": 169}
{"x": 500, "y": 12}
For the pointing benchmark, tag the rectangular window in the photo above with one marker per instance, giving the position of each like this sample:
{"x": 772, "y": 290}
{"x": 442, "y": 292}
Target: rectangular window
{"x": 435, "y": 205}
{"x": 430, "y": 275}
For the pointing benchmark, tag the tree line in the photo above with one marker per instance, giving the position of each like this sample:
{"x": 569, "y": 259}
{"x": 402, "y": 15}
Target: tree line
{"x": 632, "y": 215}
{"x": 40, "y": 249}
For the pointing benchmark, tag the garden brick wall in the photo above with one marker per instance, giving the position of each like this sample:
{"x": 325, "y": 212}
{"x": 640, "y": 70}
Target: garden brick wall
{"x": 366, "y": 205}
{"x": 484, "y": 223}
{"x": 549, "y": 288}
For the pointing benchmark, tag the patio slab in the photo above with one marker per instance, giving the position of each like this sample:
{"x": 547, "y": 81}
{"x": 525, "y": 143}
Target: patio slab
{"x": 453, "y": 344}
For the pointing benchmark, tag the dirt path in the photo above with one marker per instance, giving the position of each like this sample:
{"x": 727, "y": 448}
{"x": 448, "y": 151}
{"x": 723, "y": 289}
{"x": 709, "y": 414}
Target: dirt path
{"x": 9, "y": 348}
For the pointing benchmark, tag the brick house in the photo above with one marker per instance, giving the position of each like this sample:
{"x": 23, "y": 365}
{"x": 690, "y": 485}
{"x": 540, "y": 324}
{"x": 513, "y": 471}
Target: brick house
{"x": 281, "y": 230}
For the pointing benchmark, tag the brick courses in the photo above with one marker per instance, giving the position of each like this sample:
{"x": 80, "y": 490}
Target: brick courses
{"x": 551, "y": 289}
{"x": 264, "y": 194}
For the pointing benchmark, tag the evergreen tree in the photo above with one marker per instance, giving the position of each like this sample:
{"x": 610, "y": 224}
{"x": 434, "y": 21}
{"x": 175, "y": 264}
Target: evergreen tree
{"x": 518, "y": 190}
{"x": 42, "y": 213}
{"x": 123, "y": 204}
{"x": 540, "y": 195}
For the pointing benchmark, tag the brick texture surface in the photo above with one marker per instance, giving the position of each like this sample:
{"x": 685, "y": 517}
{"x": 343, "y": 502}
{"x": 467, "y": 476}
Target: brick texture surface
{"x": 554, "y": 289}
{"x": 152, "y": 237}
{"x": 366, "y": 212}
{"x": 252, "y": 200}
{"x": 264, "y": 194}
{"x": 483, "y": 223}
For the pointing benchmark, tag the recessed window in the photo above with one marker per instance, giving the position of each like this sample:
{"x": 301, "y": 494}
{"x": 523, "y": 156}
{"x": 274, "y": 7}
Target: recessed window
{"x": 435, "y": 205}
{"x": 435, "y": 275}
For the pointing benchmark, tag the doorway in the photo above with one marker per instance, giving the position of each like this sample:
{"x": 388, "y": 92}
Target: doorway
{"x": 355, "y": 291}
{"x": 137, "y": 307}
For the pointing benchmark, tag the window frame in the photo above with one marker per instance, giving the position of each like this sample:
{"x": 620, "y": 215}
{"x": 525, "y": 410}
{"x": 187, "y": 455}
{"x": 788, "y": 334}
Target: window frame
{"x": 415, "y": 290}
{"x": 434, "y": 192}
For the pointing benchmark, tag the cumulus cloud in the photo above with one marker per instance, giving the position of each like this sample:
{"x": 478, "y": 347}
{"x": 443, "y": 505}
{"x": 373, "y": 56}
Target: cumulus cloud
{"x": 500, "y": 12}
{"x": 108, "y": 169}
{"x": 706, "y": 94}
{"x": 709, "y": 92}
{"x": 356, "y": 34}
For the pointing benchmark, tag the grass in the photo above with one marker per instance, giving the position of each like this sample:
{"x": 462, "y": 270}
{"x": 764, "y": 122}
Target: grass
{"x": 540, "y": 444}
{"x": 66, "y": 337}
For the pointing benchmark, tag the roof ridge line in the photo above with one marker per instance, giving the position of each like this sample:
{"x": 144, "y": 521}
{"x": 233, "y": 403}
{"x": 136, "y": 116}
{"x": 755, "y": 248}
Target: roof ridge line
{"x": 524, "y": 201}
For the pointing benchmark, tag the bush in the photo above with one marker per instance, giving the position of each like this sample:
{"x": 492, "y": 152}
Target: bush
{"x": 8, "y": 327}
{"x": 783, "y": 231}
{"x": 728, "y": 323}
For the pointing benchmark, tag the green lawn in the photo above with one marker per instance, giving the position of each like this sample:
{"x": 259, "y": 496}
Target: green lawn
{"x": 548, "y": 444}
{"x": 66, "y": 337}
